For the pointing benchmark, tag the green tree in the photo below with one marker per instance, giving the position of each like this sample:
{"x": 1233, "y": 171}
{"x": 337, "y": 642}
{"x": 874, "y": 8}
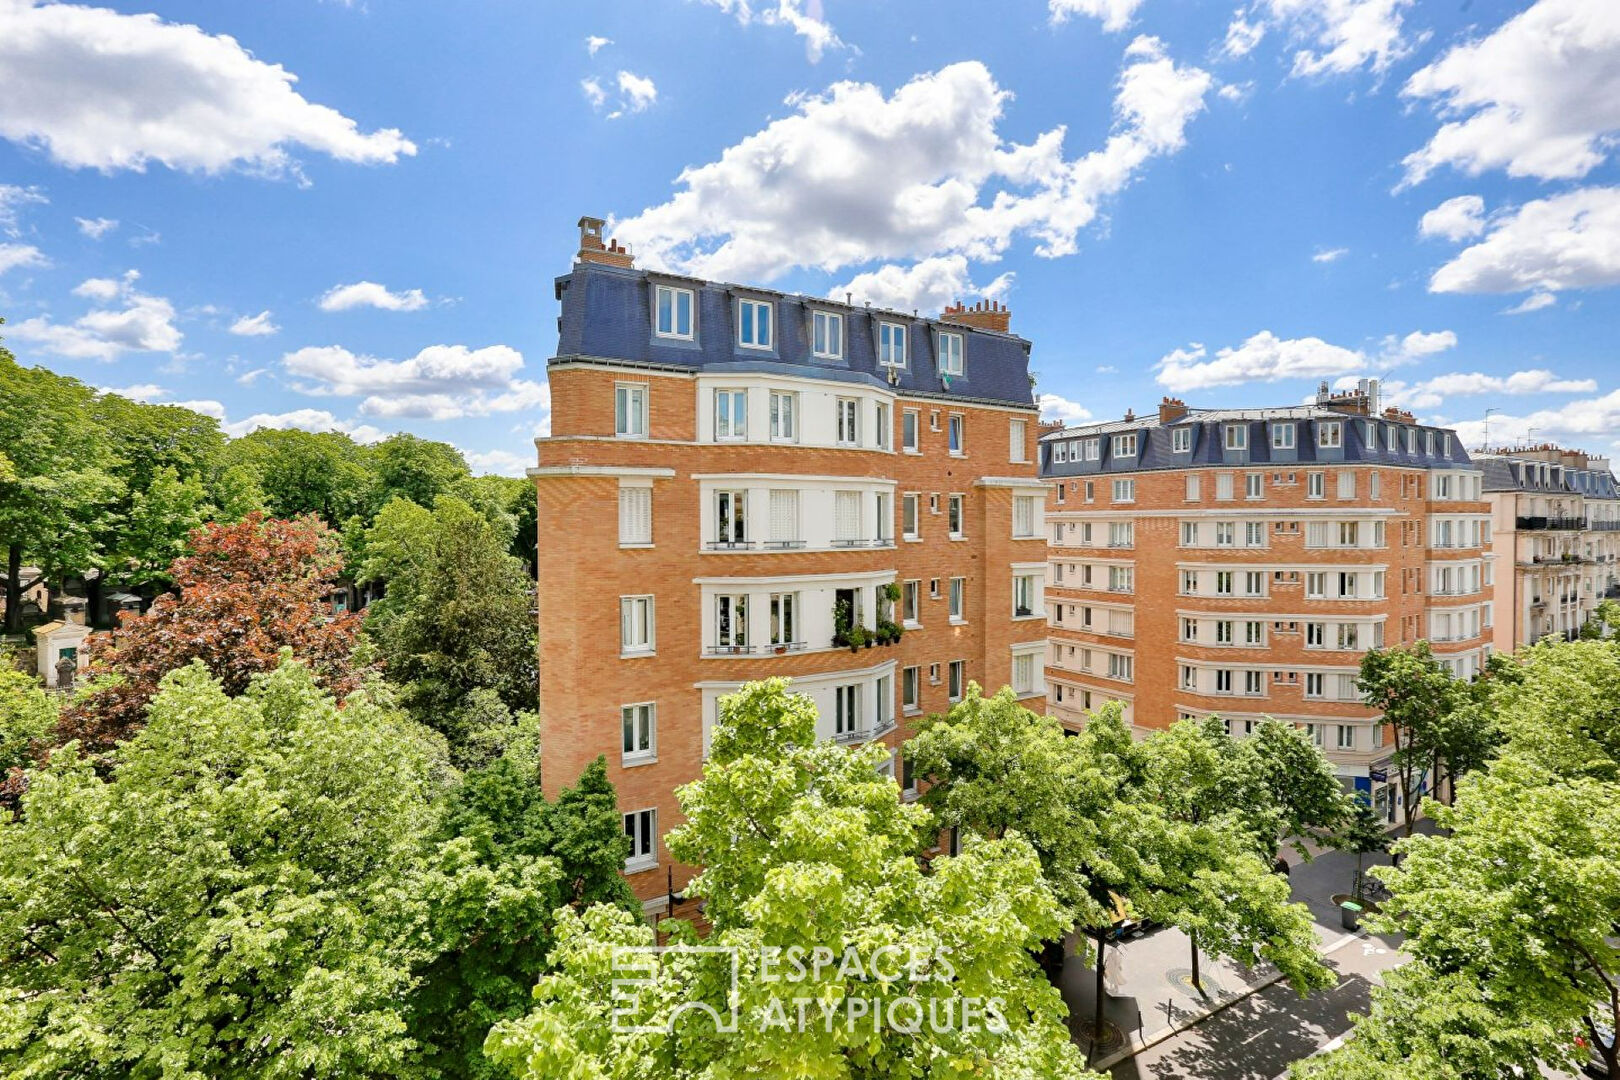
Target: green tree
{"x": 159, "y": 519}
{"x": 27, "y": 717}
{"x": 456, "y": 618}
{"x": 805, "y": 844}
{"x": 416, "y": 469}
{"x": 1558, "y": 708}
{"x": 1416, "y": 696}
{"x": 1362, "y": 834}
{"x": 304, "y": 472}
{"x": 233, "y": 900}
{"x": 510, "y": 502}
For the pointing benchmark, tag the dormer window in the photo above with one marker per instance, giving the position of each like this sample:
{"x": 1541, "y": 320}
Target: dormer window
{"x": 1181, "y": 440}
{"x": 672, "y": 312}
{"x": 827, "y": 333}
{"x": 1125, "y": 445}
{"x": 1237, "y": 436}
{"x": 754, "y": 324}
{"x": 950, "y": 354}
{"x": 1328, "y": 434}
{"x": 891, "y": 344}
{"x": 1282, "y": 436}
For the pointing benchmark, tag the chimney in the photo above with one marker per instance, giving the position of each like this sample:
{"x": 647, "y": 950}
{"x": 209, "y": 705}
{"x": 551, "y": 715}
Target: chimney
{"x": 593, "y": 250}
{"x": 1171, "y": 409}
{"x": 984, "y": 315}
{"x": 1048, "y": 427}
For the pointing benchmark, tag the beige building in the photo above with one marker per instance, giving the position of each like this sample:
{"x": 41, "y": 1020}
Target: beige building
{"x": 1555, "y": 524}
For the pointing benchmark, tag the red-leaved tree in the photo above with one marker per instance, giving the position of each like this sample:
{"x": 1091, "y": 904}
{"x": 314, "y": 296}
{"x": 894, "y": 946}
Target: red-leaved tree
{"x": 246, "y": 591}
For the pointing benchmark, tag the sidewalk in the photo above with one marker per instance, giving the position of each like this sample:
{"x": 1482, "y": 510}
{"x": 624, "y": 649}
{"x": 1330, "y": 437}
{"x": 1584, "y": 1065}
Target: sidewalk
{"x": 1150, "y": 996}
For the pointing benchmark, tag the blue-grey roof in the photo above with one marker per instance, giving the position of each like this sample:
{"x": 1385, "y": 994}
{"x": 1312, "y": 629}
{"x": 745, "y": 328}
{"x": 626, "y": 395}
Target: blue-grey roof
{"x": 607, "y": 315}
{"x": 1155, "y": 441}
{"x": 1503, "y": 473}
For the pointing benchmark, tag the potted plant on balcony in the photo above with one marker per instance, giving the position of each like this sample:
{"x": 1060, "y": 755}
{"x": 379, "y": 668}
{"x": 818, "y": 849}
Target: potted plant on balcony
{"x": 888, "y": 632}
{"x": 858, "y": 639}
{"x": 841, "y": 624}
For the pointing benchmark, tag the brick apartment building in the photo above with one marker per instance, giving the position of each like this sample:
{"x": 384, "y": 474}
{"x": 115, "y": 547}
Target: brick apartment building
{"x": 1240, "y": 562}
{"x": 1555, "y": 524}
{"x": 736, "y": 480}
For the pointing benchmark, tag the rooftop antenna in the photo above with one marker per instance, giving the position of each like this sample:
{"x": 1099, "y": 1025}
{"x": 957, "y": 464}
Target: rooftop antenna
{"x": 1488, "y": 412}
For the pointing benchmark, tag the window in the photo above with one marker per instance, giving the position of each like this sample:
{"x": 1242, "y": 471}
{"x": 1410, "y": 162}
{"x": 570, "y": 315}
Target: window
{"x": 910, "y": 602}
{"x": 885, "y": 519}
{"x": 639, "y": 729}
{"x": 730, "y": 518}
{"x": 1189, "y": 582}
{"x": 1253, "y": 683}
{"x": 1346, "y": 484}
{"x": 958, "y": 680}
{"x": 1253, "y": 633}
{"x": 730, "y": 414}
{"x": 1121, "y": 534}
{"x": 1124, "y": 490}
{"x": 1120, "y": 667}
{"x": 1254, "y": 486}
{"x": 950, "y": 354}
{"x": 1329, "y": 434}
{"x": 849, "y": 415}
{"x": 1023, "y": 595}
{"x": 911, "y": 688}
{"x": 1016, "y": 432}
{"x": 1181, "y": 440}
{"x": 1189, "y": 629}
{"x": 784, "y": 613}
{"x": 1254, "y": 583}
{"x": 1125, "y": 445}
{"x": 1223, "y": 632}
{"x": 673, "y": 308}
{"x": 908, "y": 431}
{"x": 953, "y": 515}
{"x": 1282, "y": 436}
{"x": 1223, "y": 485}
{"x": 754, "y": 324}
{"x": 1223, "y": 583}
{"x": 1225, "y": 533}
{"x": 1023, "y": 516}
{"x": 635, "y": 624}
{"x": 630, "y": 412}
{"x": 827, "y": 333}
{"x": 884, "y": 429}
{"x": 635, "y": 515}
{"x": 731, "y": 623}
{"x": 641, "y": 826}
{"x": 1315, "y": 485}
{"x": 1254, "y": 534}
{"x": 958, "y": 598}
{"x": 954, "y": 426}
{"x": 847, "y": 517}
{"x": 1121, "y": 579}
{"x": 1090, "y": 448}
{"x": 1346, "y": 738}
{"x": 1373, "y": 486}
{"x": 1237, "y": 436}
{"x": 891, "y": 344}
{"x": 908, "y": 515}
{"x": 1315, "y": 635}
{"x": 1315, "y": 684}
{"x": 1189, "y": 534}
{"x": 846, "y": 714}
{"x": 1223, "y": 680}
{"x": 1192, "y": 488}
{"x": 1023, "y": 673}
{"x": 784, "y": 415}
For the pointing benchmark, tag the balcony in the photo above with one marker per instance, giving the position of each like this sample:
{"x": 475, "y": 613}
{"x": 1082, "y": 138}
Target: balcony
{"x": 773, "y": 649}
{"x": 865, "y": 734}
{"x": 783, "y": 545}
{"x": 1604, "y": 526}
{"x": 729, "y": 545}
{"x": 859, "y": 543}
{"x": 1560, "y": 523}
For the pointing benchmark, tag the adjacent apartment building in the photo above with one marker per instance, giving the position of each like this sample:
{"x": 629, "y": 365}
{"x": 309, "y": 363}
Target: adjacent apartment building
{"x": 1240, "y": 562}
{"x": 1555, "y": 525}
{"x": 741, "y": 483}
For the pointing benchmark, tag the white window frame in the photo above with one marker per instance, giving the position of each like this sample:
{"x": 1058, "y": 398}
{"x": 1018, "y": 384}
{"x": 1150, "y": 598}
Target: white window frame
{"x": 894, "y": 340}
{"x": 848, "y": 415}
{"x": 634, "y": 412}
{"x": 675, "y": 294}
{"x": 627, "y": 606}
{"x": 1181, "y": 439}
{"x": 1282, "y": 436}
{"x": 1124, "y": 445}
{"x": 958, "y": 600}
{"x": 1017, "y": 439}
{"x": 631, "y": 498}
{"x": 911, "y": 505}
{"x": 951, "y": 348}
{"x": 956, "y": 433}
{"x": 956, "y": 689}
{"x": 828, "y": 326}
{"x": 784, "y": 415}
{"x": 1124, "y": 491}
{"x": 638, "y": 724}
{"x": 643, "y": 840}
{"x": 745, "y": 305}
{"x": 730, "y": 396}
{"x": 1236, "y": 437}
{"x": 1329, "y": 434}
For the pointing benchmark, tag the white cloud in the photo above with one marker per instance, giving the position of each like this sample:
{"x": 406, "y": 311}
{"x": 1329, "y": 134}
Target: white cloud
{"x": 1336, "y": 36}
{"x": 1533, "y": 302}
{"x": 592, "y": 89}
{"x": 13, "y": 256}
{"x": 140, "y": 323}
{"x": 254, "y": 325}
{"x": 371, "y": 294}
{"x": 803, "y": 17}
{"x": 1265, "y": 357}
{"x": 925, "y": 286}
{"x": 1455, "y": 219}
{"x": 248, "y": 378}
{"x": 1113, "y": 14}
{"x": 140, "y": 392}
{"x": 96, "y": 228}
{"x": 1570, "y": 423}
{"x": 1054, "y": 407}
{"x": 1242, "y": 35}
{"x": 594, "y": 44}
{"x": 442, "y": 382}
{"x": 1106, "y": 369}
{"x": 304, "y": 420}
{"x": 1327, "y": 255}
{"x": 501, "y": 462}
{"x": 639, "y": 92}
{"x": 98, "y": 89}
{"x": 12, "y": 199}
{"x": 854, "y": 177}
{"x": 1235, "y": 91}
{"x": 1417, "y": 345}
{"x": 1432, "y": 393}
{"x": 1568, "y": 241}
{"x": 1539, "y": 96}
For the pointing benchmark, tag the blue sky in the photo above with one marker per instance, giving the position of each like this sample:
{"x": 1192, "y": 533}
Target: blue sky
{"x": 329, "y": 214}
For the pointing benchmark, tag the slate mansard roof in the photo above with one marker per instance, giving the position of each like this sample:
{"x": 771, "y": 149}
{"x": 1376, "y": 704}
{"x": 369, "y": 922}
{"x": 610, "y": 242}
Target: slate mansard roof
{"x": 1432, "y": 448}
{"x": 607, "y": 315}
{"x": 1546, "y": 478}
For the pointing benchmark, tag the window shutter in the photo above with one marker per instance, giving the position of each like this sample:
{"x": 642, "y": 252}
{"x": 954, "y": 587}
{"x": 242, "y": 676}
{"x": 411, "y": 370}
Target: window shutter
{"x": 635, "y": 515}
{"x": 847, "y": 515}
{"x": 1316, "y": 534}
{"x": 784, "y": 515}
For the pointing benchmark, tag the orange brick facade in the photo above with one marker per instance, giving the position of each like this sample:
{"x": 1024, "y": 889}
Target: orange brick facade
{"x": 585, "y": 682}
